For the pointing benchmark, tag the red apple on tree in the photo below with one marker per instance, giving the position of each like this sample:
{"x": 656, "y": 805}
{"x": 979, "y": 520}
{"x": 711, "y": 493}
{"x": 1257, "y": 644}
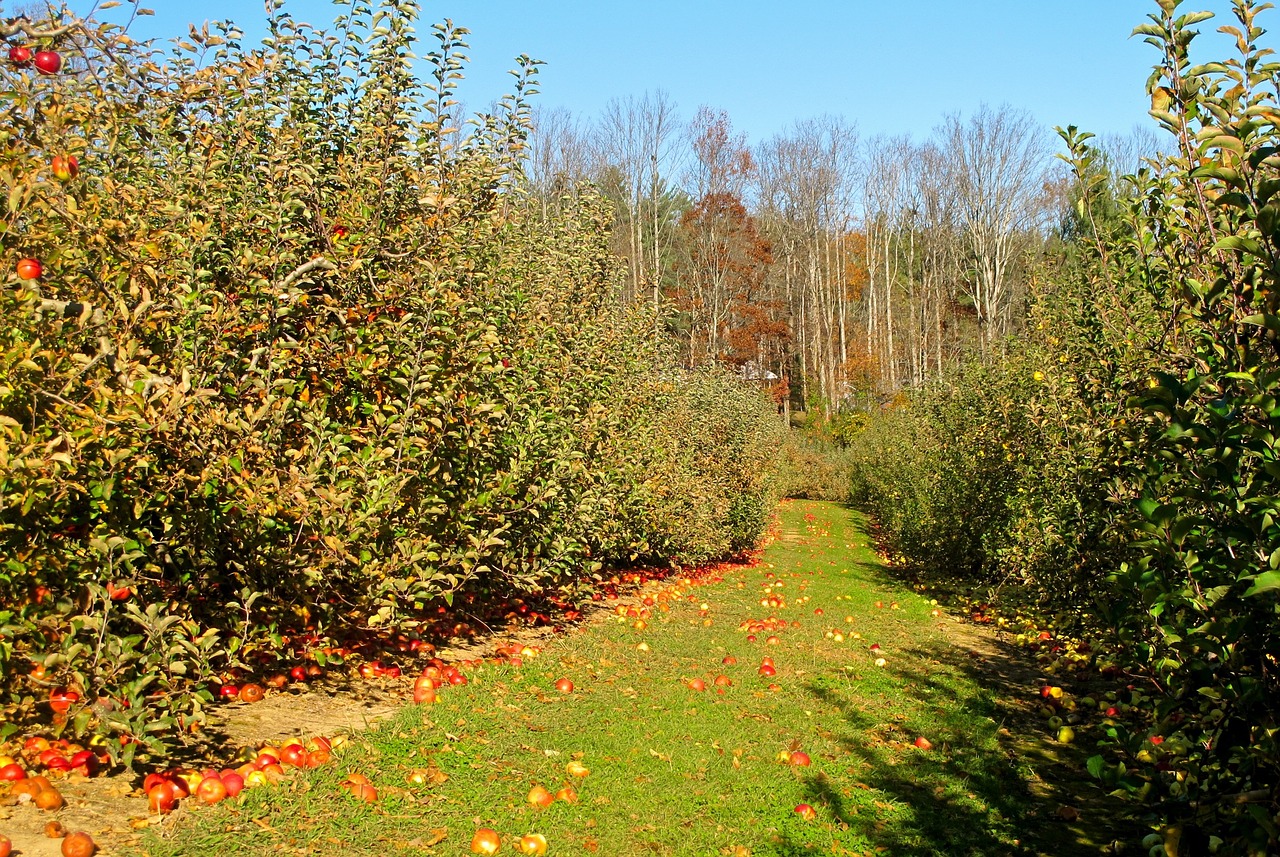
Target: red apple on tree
{"x": 20, "y": 55}
{"x": 48, "y": 62}
{"x": 30, "y": 269}
{"x": 65, "y": 167}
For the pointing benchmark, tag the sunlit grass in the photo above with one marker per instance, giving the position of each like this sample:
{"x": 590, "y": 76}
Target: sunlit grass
{"x": 675, "y": 771}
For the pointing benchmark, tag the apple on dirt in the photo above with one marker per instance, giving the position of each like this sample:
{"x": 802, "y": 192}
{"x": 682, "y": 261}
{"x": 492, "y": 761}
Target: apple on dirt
{"x": 79, "y": 844}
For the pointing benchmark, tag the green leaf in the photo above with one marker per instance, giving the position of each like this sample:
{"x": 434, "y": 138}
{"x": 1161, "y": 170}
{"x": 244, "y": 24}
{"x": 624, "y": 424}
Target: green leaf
{"x": 1268, "y": 581}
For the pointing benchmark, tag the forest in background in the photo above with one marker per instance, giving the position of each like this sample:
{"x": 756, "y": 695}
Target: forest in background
{"x": 835, "y": 269}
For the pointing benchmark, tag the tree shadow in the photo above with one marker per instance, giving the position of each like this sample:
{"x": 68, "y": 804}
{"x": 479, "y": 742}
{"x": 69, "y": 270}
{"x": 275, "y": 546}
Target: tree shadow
{"x": 994, "y": 783}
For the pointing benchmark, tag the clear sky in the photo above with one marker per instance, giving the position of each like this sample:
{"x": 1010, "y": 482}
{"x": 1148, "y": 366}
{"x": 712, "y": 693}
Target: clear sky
{"x": 892, "y": 66}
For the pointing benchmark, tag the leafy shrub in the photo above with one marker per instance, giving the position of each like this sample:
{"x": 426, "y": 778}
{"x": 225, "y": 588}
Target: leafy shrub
{"x": 815, "y": 469}
{"x": 1136, "y": 479}
{"x": 302, "y": 361}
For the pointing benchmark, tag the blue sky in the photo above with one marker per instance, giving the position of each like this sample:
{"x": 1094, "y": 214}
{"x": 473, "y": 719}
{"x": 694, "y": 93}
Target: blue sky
{"x": 893, "y": 66}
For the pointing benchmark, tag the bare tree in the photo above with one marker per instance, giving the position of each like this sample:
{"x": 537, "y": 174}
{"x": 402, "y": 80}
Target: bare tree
{"x": 997, "y": 162}
{"x": 559, "y": 156}
{"x": 636, "y": 147}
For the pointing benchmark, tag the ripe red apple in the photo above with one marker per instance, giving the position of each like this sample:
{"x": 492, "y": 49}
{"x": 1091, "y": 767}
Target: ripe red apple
{"x": 799, "y": 759}
{"x": 6, "y": 847}
{"x": 12, "y": 773}
{"x": 61, "y": 699}
{"x": 697, "y": 684}
{"x": 233, "y": 781}
{"x": 723, "y": 681}
{"x": 65, "y": 167}
{"x": 20, "y": 55}
{"x": 806, "y": 812}
{"x": 293, "y": 754}
{"x": 768, "y": 670}
{"x": 923, "y": 743}
{"x": 424, "y": 692}
{"x": 540, "y": 797}
{"x": 162, "y": 797}
{"x": 118, "y": 593}
{"x": 729, "y": 660}
{"x": 228, "y": 691}
{"x": 48, "y": 62}
{"x": 564, "y": 685}
{"x": 211, "y": 790}
{"x": 298, "y": 674}
{"x": 486, "y": 841}
{"x": 30, "y": 269}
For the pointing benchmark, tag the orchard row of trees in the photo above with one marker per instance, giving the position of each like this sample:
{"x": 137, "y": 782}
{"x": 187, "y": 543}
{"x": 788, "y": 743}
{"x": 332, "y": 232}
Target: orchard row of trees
{"x": 850, "y": 268}
{"x": 289, "y": 365}
{"x": 1116, "y": 464}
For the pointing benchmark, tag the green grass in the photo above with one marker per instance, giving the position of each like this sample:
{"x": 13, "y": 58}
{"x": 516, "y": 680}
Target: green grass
{"x": 676, "y": 772}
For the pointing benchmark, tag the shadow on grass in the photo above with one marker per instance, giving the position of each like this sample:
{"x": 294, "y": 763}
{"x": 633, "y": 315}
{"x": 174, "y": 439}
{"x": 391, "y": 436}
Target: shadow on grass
{"x": 981, "y": 790}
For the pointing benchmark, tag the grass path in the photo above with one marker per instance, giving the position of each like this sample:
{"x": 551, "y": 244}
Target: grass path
{"x": 675, "y": 771}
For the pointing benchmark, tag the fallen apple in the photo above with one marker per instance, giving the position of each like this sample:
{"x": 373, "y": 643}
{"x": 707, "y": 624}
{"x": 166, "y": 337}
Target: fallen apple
{"x": 923, "y": 743}
{"x": 564, "y": 685}
{"x": 532, "y": 843}
{"x": 79, "y": 844}
{"x": 799, "y": 759}
{"x": 806, "y": 812}
{"x": 540, "y": 797}
{"x": 486, "y": 841}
